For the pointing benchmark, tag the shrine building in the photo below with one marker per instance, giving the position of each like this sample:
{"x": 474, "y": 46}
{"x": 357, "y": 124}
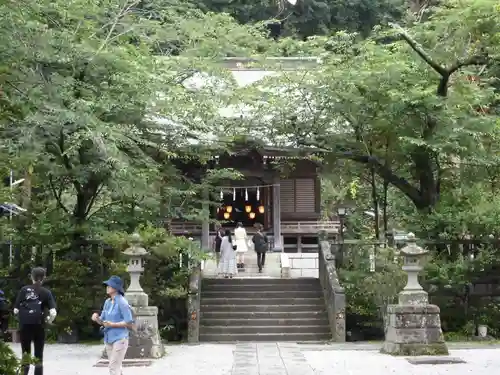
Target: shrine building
{"x": 281, "y": 185}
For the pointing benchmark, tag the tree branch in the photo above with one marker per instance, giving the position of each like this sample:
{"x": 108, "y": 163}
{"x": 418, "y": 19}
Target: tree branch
{"x": 109, "y": 204}
{"x": 442, "y": 71}
{"x": 94, "y": 197}
{"x": 57, "y": 195}
{"x": 388, "y": 175}
{"x": 67, "y": 162}
{"x": 125, "y": 9}
{"x": 474, "y": 60}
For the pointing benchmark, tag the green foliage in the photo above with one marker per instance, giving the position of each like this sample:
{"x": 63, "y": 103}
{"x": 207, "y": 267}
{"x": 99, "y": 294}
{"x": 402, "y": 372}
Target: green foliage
{"x": 448, "y": 282}
{"x": 9, "y": 364}
{"x": 78, "y": 290}
{"x": 312, "y": 17}
{"x": 400, "y": 124}
{"x": 369, "y": 293}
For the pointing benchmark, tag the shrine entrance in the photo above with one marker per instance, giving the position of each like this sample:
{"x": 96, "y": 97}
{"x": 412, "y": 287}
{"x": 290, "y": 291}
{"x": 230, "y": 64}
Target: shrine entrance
{"x": 248, "y": 204}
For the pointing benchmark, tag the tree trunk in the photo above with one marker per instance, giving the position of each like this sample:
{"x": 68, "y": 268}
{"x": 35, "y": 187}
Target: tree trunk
{"x": 384, "y": 208}
{"x": 375, "y": 203}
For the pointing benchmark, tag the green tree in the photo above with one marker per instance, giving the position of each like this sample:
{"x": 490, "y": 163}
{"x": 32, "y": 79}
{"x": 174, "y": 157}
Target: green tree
{"x": 405, "y": 109}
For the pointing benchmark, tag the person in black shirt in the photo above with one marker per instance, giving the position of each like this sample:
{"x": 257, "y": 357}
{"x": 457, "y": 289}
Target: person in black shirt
{"x": 260, "y": 244}
{"x": 219, "y": 233}
{"x": 4, "y": 315}
{"x": 34, "y": 306}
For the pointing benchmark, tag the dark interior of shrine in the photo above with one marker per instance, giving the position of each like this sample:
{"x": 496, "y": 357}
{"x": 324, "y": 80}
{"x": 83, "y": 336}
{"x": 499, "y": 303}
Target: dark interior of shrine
{"x": 238, "y": 208}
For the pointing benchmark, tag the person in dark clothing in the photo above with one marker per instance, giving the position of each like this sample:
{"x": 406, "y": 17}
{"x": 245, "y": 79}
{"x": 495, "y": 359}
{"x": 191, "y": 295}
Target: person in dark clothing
{"x": 219, "y": 233}
{"x": 4, "y": 315}
{"x": 34, "y": 306}
{"x": 260, "y": 242}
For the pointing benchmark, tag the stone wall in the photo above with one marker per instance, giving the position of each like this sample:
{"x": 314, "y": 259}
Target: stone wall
{"x": 303, "y": 265}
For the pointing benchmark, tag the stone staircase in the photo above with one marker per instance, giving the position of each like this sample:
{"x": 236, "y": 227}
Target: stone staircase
{"x": 263, "y": 309}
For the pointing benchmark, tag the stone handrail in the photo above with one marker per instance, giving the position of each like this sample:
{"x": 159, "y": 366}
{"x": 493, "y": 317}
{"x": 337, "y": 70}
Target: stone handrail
{"x": 333, "y": 293}
{"x": 285, "y": 265}
{"x": 193, "y": 304}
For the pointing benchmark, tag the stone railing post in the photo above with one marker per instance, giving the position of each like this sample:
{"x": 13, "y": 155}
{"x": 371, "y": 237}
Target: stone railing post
{"x": 332, "y": 290}
{"x": 414, "y": 326}
{"x": 193, "y": 304}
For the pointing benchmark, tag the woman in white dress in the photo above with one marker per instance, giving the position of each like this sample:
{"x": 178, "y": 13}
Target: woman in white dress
{"x": 241, "y": 242}
{"x": 227, "y": 265}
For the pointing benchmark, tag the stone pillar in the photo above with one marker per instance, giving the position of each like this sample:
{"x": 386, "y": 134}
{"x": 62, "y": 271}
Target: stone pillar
{"x": 278, "y": 245}
{"x": 413, "y": 326}
{"x": 205, "y": 224}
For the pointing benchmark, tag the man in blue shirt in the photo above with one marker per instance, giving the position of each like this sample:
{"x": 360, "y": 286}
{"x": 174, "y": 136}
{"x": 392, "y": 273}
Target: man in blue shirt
{"x": 116, "y": 318}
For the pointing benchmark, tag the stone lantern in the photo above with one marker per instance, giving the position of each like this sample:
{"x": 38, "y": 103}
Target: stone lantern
{"x": 413, "y": 326}
{"x": 135, "y": 254}
{"x": 413, "y": 293}
{"x": 145, "y": 342}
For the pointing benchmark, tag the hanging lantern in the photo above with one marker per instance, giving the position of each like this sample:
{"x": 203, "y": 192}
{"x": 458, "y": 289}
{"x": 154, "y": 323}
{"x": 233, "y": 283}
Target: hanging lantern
{"x": 251, "y": 215}
{"x": 246, "y": 195}
{"x": 261, "y": 209}
{"x": 221, "y": 195}
{"x": 258, "y": 194}
{"x": 229, "y": 209}
{"x": 234, "y": 194}
{"x": 248, "y": 208}
{"x": 226, "y": 215}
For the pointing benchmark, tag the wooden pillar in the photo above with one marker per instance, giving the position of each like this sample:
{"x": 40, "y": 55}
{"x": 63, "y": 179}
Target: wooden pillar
{"x": 278, "y": 245}
{"x": 205, "y": 224}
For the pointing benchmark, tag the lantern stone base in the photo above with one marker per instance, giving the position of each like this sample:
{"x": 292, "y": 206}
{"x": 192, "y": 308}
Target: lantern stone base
{"x": 137, "y": 298}
{"x": 413, "y": 297}
{"x": 414, "y": 330}
{"x": 146, "y": 342}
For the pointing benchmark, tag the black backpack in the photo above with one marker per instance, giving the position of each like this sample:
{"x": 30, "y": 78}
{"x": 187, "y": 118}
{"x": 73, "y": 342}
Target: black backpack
{"x": 31, "y": 307}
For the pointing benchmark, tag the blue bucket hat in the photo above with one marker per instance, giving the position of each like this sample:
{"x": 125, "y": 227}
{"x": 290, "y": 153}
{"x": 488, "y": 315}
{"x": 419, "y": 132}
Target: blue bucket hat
{"x": 115, "y": 282}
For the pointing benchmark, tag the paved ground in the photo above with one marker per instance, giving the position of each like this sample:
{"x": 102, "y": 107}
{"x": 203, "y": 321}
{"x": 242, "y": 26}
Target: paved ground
{"x": 272, "y": 359}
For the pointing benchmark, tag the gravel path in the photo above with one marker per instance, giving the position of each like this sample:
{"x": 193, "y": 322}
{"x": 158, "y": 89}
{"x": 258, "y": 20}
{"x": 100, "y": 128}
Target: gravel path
{"x": 268, "y": 359}
{"x": 355, "y": 362}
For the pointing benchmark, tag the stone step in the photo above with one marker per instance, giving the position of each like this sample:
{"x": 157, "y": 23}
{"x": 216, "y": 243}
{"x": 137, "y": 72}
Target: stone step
{"x": 301, "y": 281}
{"x": 318, "y": 306}
{"x": 264, "y": 315}
{"x": 263, "y": 309}
{"x": 319, "y": 320}
{"x": 264, "y": 329}
{"x": 258, "y": 287}
{"x": 265, "y": 337}
{"x": 257, "y": 300}
{"x": 248, "y": 293}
